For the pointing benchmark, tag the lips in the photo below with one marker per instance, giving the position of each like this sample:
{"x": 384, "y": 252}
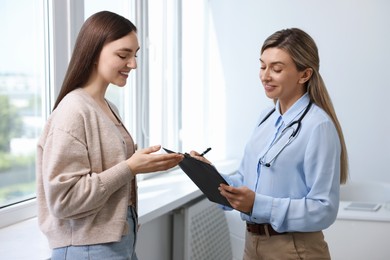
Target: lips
{"x": 124, "y": 73}
{"x": 268, "y": 87}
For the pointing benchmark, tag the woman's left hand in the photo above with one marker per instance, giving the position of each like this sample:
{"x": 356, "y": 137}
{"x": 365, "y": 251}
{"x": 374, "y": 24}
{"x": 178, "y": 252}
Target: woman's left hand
{"x": 241, "y": 198}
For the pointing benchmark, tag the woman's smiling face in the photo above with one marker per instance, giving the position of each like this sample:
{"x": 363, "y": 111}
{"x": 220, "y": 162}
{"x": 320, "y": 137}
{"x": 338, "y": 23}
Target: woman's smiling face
{"x": 280, "y": 77}
{"x": 117, "y": 59}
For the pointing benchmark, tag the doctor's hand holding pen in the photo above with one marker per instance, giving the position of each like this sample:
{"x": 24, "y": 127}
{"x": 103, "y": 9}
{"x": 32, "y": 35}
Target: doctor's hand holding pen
{"x": 241, "y": 198}
{"x": 200, "y": 156}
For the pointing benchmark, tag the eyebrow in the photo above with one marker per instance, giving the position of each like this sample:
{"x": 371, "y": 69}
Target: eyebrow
{"x": 275, "y": 62}
{"x": 128, "y": 49}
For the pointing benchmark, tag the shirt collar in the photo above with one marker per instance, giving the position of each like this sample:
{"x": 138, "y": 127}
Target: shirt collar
{"x": 294, "y": 111}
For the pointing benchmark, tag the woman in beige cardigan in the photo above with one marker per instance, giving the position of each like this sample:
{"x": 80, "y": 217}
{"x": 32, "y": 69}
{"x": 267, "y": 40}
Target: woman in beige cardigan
{"x": 86, "y": 159}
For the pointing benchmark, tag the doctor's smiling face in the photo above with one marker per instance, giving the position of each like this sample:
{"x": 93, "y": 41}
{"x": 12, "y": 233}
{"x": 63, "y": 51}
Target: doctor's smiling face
{"x": 117, "y": 59}
{"x": 281, "y": 78}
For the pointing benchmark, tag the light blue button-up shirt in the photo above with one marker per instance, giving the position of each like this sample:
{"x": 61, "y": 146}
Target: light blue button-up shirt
{"x": 300, "y": 190}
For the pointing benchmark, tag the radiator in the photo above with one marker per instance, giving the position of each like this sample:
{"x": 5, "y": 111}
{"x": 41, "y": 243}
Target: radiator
{"x": 200, "y": 232}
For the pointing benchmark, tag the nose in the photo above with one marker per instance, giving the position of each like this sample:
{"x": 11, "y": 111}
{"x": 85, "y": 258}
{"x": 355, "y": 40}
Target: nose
{"x": 132, "y": 63}
{"x": 264, "y": 74}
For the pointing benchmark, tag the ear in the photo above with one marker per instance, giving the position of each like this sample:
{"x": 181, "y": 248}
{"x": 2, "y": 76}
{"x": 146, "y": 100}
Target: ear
{"x": 306, "y": 75}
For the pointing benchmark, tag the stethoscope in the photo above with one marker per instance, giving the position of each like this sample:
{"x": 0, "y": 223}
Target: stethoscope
{"x": 285, "y": 130}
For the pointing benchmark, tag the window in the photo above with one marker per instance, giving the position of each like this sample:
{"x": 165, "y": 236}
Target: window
{"x": 181, "y": 49}
{"x": 22, "y": 93}
{"x": 163, "y": 73}
{"x": 166, "y": 100}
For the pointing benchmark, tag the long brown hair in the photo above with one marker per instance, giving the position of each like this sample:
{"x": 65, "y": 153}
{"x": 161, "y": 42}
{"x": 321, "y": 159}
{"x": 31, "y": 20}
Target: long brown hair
{"x": 304, "y": 53}
{"x": 99, "y": 29}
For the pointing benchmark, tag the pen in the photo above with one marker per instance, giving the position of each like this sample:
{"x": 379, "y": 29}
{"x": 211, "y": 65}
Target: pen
{"x": 207, "y": 150}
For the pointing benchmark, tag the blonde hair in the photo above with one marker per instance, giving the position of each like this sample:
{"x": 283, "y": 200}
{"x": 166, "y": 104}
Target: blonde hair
{"x": 304, "y": 53}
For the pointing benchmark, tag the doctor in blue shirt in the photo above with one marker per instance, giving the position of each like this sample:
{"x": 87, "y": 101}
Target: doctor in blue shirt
{"x": 287, "y": 186}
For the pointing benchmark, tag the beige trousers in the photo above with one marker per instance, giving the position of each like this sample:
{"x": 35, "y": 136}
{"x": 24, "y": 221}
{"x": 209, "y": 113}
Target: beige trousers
{"x": 295, "y": 245}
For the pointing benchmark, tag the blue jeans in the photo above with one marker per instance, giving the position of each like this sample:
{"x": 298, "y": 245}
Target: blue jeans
{"x": 124, "y": 249}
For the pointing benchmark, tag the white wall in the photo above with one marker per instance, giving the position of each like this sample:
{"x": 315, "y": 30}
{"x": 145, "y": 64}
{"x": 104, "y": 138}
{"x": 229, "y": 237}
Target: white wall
{"x": 353, "y": 38}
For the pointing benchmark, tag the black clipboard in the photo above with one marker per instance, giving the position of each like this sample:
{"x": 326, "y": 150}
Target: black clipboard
{"x": 205, "y": 176}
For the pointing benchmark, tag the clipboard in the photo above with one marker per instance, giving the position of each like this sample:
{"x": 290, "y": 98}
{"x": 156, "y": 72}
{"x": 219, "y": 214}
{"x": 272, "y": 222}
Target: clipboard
{"x": 205, "y": 176}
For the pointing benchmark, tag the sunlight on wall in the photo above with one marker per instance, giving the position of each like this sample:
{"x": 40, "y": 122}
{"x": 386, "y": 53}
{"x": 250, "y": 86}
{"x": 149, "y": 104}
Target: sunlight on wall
{"x": 203, "y": 84}
{"x": 217, "y": 93}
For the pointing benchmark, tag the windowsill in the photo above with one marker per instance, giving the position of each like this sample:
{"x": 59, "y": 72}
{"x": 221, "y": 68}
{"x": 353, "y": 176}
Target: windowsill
{"x": 157, "y": 196}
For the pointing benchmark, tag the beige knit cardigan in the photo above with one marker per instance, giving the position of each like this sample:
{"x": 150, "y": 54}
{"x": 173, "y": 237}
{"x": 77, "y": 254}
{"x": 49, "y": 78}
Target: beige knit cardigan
{"x": 83, "y": 181}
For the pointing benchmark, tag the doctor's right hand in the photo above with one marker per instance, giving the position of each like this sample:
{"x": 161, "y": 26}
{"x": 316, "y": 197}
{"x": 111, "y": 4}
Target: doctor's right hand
{"x": 197, "y": 155}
